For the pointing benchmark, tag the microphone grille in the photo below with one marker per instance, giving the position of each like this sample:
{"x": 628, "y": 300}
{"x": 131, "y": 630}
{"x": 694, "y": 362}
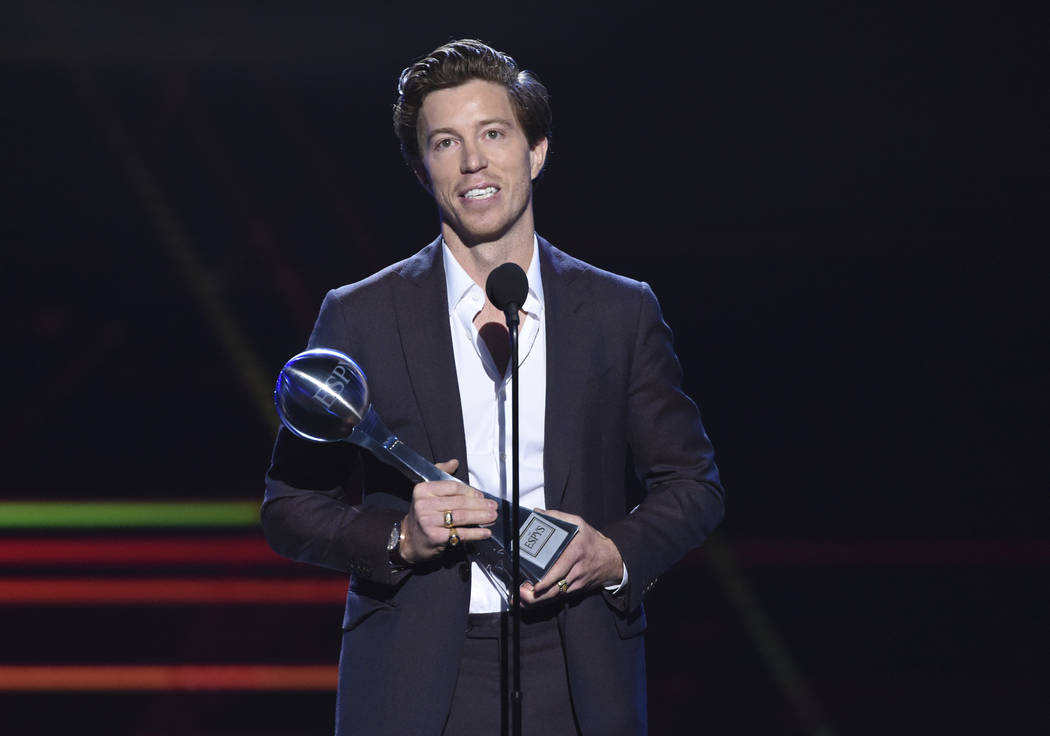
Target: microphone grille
{"x": 506, "y": 285}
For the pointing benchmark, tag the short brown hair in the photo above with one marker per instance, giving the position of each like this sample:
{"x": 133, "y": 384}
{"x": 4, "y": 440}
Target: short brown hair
{"x": 456, "y": 63}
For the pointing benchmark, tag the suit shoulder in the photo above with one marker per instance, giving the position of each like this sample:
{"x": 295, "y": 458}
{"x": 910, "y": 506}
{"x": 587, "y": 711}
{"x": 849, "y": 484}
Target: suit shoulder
{"x": 353, "y": 314}
{"x": 590, "y": 276}
{"x": 379, "y": 283}
{"x": 366, "y": 287}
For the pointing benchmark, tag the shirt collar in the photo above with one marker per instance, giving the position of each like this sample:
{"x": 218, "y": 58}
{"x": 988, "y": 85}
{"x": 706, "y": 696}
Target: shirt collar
{"x": 458, "y": 283}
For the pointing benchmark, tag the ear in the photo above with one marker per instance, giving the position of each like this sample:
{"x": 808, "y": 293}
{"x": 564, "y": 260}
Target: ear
{"x": 537, "y": 157}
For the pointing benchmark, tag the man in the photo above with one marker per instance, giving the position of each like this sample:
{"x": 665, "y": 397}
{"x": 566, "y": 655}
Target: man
{"x": 601, "y": 395}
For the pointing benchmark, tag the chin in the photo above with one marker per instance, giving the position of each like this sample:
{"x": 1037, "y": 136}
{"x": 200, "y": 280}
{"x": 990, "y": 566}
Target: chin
{"x": 476, "y": 236}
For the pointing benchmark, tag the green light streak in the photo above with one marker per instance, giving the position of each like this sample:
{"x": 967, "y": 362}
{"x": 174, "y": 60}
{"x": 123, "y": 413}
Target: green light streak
{"x": 764, "y": 636}
{"x": 116, "y": 514}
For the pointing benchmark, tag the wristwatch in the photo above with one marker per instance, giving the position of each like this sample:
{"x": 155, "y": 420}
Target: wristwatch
{"x": 393, "y": 545}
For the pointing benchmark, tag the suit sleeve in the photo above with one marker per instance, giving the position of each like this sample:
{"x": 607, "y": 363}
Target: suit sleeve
{"x": 310, "y": 511}
{"x": 674, "y": 459}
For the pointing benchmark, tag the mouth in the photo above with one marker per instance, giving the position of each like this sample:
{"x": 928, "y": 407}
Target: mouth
{"x": 480, "y": 193}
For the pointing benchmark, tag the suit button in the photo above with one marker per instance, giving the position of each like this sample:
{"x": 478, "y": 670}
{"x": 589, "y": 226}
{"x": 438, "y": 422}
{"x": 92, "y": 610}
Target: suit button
{"x": 464, "y": 572}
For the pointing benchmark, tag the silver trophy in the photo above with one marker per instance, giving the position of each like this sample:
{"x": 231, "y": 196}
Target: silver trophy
{"x": 322, "y": 396}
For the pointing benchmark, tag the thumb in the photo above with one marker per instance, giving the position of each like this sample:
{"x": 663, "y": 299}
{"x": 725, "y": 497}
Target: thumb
{"x": 449, "y": 466}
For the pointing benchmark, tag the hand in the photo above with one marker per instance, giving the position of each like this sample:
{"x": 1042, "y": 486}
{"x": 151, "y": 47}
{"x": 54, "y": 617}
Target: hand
{"x": 590, "y": 561}
{"x": 425, "y": 533}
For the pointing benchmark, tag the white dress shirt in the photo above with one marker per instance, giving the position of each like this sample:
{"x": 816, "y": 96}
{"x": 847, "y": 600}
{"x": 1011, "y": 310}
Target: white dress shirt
{"x": 484, "y": 400}
{"x": 484, "y": 395}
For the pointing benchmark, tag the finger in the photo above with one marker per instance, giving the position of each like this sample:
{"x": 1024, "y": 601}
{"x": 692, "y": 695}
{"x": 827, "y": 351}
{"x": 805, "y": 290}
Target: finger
{"x": 431, "y": 487}
{"x": 562, "y": 570}
{"x": 438, "y": 538}
{"x": 471, "y": 534}
{"x": 448, "y": 489}
{"x": 454, "y": 538}
{"x": 449, "y": 466}
{"x": 536, "y": 596}
{"x": 458, "y": 504}
{"x": 526, "y": 595}
{"x": 443, "y": 488}
{"x": 463, "y": 498}
{"x": 459, "y": 517}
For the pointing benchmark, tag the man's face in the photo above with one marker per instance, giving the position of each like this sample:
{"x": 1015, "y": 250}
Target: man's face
{"x": 478, "y": 161}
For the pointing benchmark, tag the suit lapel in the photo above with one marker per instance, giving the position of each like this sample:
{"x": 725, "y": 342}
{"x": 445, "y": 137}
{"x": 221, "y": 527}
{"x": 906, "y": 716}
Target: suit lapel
{"x": 421, "y": 311}
{"x": 566, "y": 377}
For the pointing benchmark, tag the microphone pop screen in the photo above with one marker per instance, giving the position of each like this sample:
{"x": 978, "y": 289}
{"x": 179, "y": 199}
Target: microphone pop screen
{"x": 507, "y": 287}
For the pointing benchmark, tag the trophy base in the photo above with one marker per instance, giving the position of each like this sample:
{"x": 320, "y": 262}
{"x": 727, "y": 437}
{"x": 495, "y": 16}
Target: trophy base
{"x": 542, "y": 538}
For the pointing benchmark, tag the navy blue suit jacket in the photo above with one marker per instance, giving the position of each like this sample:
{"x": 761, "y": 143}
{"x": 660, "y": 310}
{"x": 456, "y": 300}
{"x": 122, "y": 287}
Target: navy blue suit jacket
{"x": 620, "y": 435}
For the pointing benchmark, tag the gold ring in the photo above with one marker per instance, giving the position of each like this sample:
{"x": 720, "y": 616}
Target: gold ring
{"x": 448, "y": 520}
{"x": 563, "y": 586}
{"x": 453, "y": 538}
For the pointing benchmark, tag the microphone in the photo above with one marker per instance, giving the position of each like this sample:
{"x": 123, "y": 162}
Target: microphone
{"x": 506, "y": 287}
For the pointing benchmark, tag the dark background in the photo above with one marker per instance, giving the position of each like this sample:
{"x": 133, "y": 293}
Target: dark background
{"x": 842, "y": 207}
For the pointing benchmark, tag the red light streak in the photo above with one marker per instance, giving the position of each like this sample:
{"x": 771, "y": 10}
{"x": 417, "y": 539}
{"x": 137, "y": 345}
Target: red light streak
{"x": 169, "y": 591}
{"x": 137, "y": 551}
{"x": 101, "y": 677}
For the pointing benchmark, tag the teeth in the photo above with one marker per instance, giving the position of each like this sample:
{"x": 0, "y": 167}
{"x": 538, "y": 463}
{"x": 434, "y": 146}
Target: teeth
{"x": 480, "y": 193}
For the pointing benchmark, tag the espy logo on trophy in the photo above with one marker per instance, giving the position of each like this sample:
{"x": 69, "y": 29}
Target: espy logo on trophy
{"x": 334, "y": 385}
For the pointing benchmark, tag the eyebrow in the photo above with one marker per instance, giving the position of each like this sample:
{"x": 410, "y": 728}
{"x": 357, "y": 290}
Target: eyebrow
{"x": 496, "y": 121}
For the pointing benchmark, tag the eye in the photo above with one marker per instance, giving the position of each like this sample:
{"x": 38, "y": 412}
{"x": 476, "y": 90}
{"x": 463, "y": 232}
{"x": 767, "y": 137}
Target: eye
{"x": 493, "y": 134}
{"x": 443, "y": 144}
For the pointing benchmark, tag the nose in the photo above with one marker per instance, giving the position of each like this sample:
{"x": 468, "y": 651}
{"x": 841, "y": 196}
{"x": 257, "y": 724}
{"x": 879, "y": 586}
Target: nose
{"x": 473, "y": 159}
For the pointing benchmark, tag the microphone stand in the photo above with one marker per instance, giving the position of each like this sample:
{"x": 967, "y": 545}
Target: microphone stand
{"x": 515, "y": 603}
{"x": 507, "y": 287}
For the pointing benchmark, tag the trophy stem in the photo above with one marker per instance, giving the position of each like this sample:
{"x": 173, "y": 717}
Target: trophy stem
{"x": 373, "y": 435}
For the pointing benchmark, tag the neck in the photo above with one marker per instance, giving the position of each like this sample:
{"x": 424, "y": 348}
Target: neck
{"x": 478, "y": 260}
